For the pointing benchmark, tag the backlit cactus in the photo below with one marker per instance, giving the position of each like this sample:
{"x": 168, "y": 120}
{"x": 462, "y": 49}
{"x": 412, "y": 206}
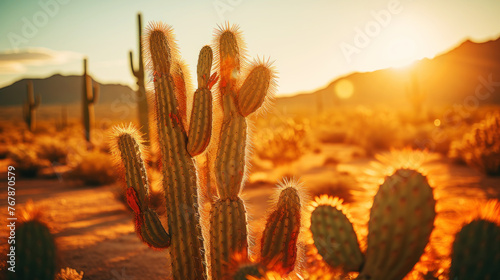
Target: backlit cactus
{"x": 30, "y": 106}
{"x": 89, "y": 98}
{"x": 334, "y": 236}
{"x": 185, "y": 133}
{"x": 401, "y": 221}
{"x": 237, "y": 101}
{"x": 35, "y": 252}
{"x": 142, "y": 100}
{"x": 279, "y": 241}
{"x": 476, "y": 248}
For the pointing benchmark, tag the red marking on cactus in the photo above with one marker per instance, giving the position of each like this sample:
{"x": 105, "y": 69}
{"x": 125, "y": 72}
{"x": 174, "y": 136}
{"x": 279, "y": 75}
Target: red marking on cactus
{"x": 212, "y": 80}
{"x": 174, "y": 118}
{"x": 133, "y": 201}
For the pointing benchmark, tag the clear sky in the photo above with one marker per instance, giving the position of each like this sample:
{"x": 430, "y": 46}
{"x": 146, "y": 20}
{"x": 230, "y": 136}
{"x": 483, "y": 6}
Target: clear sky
{"x": 311, "y": 42}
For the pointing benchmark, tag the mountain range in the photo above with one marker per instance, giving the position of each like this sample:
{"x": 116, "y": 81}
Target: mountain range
{"x": 468, "y": 73}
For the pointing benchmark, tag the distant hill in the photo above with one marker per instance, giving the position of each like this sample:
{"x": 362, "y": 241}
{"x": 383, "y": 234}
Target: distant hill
{"x": 446, "y": 79}
{"x": 62, "y": 90}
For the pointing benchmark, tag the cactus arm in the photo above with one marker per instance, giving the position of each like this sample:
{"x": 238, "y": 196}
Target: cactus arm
{"x": 132, "y": 68}
{"x": 148, "y": 225}
{"x": 95, "y": 93}
{"x": 279, "y": 241}
{"x": 254, "y": 90}
{"x": 200, "y": 127}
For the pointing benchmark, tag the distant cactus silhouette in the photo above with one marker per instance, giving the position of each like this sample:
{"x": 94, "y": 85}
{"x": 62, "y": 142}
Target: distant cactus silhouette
{"x": 30, "y": 106}
{"x": 89, "y": 99}
{"x": 182, "y": 137}
{"x": 142, "y": 100}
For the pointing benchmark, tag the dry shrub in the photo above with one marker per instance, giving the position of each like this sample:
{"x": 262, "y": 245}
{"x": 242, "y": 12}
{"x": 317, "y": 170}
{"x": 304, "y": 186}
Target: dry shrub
{"x": 480, "y": 147}
{"x": 283, "y": 141}
{"x": 93, "y": 169}
{"x": 52, "y": 149}
{"x": 25, "y": 160}
{"x": 69, "y": 274}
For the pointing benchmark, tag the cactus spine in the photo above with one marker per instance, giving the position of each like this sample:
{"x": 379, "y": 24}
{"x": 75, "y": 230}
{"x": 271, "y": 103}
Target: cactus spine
{"x": 401, "y": 221}
{"x": 89, "y": 98}
{"x": 36, "y": 252}
{"x": 142, "y": 100}
{"x": 30, "y": 107}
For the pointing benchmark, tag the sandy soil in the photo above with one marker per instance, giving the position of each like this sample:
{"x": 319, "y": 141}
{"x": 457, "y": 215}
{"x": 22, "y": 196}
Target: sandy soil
{"x": 95, "y": 234}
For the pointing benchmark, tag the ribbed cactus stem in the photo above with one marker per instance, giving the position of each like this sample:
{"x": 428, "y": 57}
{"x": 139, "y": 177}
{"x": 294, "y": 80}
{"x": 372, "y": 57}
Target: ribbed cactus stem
{"x": 89, "y": 99}
{"x": 476, "y": 251}
{"x": 35, "y": 252}
{"x": 30, "y": 107}
{"x": 254, "y": 90}
{"x": 401, "y": 222}
{"x": 147, "y": 222}
{"x": 335, "y": 238}
{"x": 279, "y": 241}
{"x": 179, "y": 181}
{"x": 228, "y": 234}
{"x": 142, "y": 100}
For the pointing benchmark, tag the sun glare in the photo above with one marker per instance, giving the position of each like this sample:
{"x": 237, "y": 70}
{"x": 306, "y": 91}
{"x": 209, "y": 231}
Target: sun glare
{"x": 402, "y": 52}
{"x": 344, "y": 89}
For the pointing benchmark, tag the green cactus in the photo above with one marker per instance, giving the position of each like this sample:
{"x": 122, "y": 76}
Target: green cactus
{"x": 401, "y": 221}
{"x": 279, "y": 241}
{"x": 335, "y": 238}
{"x": 35, "y": 252}
{"x": 476, "y": 251}
{"x": 89, "y": 99}
{"x": 30, "y": 107}
{"x": 142, "y": 100}
{"x": 230, "y": 158}
{"x": 181, "y": 139}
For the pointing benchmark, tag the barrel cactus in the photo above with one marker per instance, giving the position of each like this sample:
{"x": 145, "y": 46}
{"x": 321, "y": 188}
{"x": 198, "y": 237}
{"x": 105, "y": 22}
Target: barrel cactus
{"x": 35, "y": 251}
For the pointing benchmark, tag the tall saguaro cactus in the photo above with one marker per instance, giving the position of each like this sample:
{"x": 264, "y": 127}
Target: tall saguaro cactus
{"x": 142, "y": 100}
{"x": 183, "y": 137}
{"x": 89, "y": 98}
{"x": 29, "y": 108}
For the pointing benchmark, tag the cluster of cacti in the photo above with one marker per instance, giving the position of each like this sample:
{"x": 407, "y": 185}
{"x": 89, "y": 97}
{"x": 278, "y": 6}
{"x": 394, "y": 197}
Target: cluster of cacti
{"x": 142, "y": 100}
{"x": 35, "y": 252}
{"x": 476, "y": 248}
{"x": 480, "y": 147}
{"x": 401, "y": 221}
{"x": 182, "y": 137}
{"x": 89, "y": 98}
{"x": 30, "y": 107}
